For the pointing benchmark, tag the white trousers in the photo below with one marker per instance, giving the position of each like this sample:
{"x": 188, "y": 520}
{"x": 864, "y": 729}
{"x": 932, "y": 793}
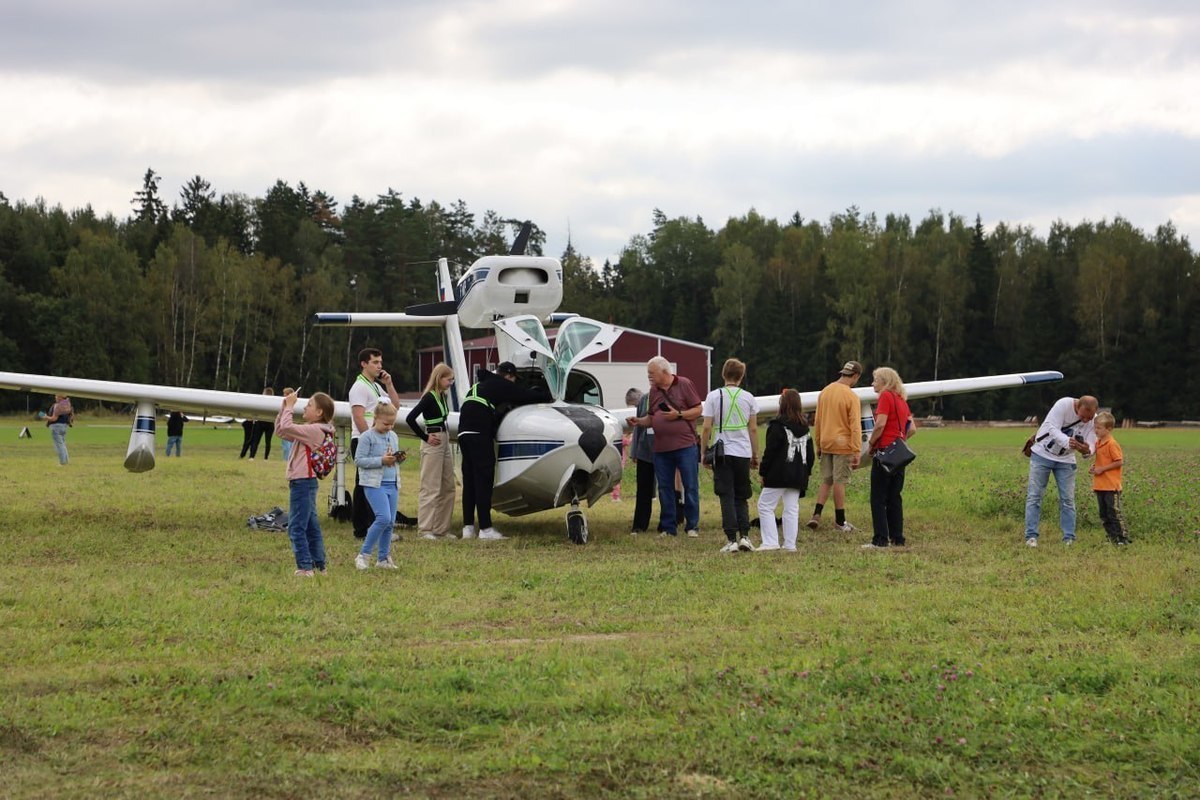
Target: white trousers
{"x": 767, "y": 500}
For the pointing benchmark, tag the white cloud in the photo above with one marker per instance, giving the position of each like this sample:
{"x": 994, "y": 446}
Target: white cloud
{"x": 571, "y": 112}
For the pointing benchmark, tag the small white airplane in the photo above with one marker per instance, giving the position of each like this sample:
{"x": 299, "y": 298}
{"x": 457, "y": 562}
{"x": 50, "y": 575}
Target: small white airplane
{"x": 549, "y": 455}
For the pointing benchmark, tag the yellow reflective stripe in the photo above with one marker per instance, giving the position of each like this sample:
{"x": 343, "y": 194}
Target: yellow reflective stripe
{"x": 734, "y": 408}
{"x": 471, "y": 395}
{"x": 437, "y": 398}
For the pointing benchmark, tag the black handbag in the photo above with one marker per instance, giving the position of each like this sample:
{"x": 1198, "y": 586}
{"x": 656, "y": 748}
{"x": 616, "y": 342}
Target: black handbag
{"x": 715, "y": 453}
{"x": 896, "y": 455}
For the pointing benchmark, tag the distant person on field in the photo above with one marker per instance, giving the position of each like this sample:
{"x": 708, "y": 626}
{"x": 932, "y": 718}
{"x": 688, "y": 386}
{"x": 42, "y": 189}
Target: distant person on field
{"x": 435, "y": 500}
{"x": 734, "y": 413}
{"x": 838, "y": 428}
{"x": 641, "y": 445}
{"x": 260, "y": 429}
{"x": 175, "y": 424}
{"x": 304, "y": 529}
{"x": 377, "y": 459}
{"x": 60, "y": 417}
{"x": 672, "y": 410}
{"x": 1106, "y": 479}
{"x": 1068, "y": 429}
{"x": 247, "y": 436}
{"x": 786, "y": 464}
{"x": 372, "y": 387}
{"x": 893, "y": 420}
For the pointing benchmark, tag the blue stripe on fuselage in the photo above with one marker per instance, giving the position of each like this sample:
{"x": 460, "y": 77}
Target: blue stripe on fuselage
{"x": 522, "y": 450}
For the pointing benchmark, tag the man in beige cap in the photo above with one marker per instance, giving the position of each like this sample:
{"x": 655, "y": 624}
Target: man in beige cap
{"x": 837, "y": 430}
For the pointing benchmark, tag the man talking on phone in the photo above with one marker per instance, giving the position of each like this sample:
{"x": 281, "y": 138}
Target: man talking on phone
{"x": 372, "y": 387}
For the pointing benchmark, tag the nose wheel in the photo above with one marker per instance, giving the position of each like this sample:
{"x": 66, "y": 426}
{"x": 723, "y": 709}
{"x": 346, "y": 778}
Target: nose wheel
{"x": 577, "y": 529}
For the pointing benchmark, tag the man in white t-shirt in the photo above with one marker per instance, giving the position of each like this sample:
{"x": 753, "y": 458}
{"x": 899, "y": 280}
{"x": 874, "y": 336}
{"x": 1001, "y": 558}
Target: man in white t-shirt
{"x": 733, "y": 413}
{"x": 372, "y": 387}
{"x": 1068, "y": 429}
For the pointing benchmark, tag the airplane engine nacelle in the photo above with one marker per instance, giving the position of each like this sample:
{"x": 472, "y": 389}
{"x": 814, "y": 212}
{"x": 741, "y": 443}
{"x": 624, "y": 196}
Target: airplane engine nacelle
{"x": 140, "y": 455}
{"x": 504, "y": 286}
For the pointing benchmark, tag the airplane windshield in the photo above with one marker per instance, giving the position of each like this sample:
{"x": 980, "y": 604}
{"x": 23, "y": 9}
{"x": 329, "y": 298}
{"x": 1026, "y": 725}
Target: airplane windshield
{"x": 577, "y": 339}
{"x": 572, "y": 339}
{"x": 533, "y": 329}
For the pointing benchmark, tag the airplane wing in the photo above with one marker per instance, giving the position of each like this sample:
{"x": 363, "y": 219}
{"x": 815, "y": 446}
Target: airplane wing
{"x": 191, "y": 401}
{"x": 768, "y": 405}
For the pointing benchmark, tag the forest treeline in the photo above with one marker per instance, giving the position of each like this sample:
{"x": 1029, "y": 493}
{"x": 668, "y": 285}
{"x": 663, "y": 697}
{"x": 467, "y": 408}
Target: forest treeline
{"x": 218, "y": 292}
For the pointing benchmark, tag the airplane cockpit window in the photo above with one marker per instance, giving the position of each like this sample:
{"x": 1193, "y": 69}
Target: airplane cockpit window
{"x": 574, "y": 338}
{"x": 578, "y": 338}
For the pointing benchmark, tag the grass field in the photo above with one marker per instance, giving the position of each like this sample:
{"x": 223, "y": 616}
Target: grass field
{"x": 153, "y": 646}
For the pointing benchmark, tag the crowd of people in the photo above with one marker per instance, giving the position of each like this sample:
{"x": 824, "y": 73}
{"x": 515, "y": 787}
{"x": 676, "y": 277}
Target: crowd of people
{"x": 673, "y": 433}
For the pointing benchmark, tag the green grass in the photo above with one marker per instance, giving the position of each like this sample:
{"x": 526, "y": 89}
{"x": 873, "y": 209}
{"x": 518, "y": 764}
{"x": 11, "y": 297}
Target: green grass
{"x": 153, "y": 646}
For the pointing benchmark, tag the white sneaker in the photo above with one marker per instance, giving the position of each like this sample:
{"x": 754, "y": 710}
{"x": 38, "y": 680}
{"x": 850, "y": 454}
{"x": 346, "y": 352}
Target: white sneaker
{"x": 730, "y": 547}
{"x": 766, "y": 548}
{"x": 386, "y": 563}
{"x": 468, "y": 531}
{"x": 871, "y": 546}
{"x": 362, "y": 561}
{"x": 693, "y": 534}
{"x": 395, "y": 537}
{"x": 430, "y": 536}
{"x": 491, "y": 534}
{"x": 789, "y": 549}
{"x": 1031, "y": 541}
{"x": 744, "y": 545}
{"x": 845, "y": 527}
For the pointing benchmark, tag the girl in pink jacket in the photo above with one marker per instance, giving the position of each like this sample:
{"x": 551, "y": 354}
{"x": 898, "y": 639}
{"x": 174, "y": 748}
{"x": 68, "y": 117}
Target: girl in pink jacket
{"x": 303, "y": 527}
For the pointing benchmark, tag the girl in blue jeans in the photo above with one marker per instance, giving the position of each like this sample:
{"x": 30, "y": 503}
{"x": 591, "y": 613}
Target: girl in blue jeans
{"x": 377, "y": 458}
{"x": 304, "y": 529}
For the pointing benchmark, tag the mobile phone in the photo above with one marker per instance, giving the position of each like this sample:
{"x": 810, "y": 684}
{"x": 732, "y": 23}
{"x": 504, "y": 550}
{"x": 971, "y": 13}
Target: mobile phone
{"x": 663, "y": 407}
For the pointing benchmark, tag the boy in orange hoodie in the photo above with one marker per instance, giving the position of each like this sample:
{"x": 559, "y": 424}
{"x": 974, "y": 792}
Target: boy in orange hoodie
{"x": 1106, "y": 479}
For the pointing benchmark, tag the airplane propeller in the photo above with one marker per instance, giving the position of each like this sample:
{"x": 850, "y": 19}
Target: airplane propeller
{"x": 522, "y": 241}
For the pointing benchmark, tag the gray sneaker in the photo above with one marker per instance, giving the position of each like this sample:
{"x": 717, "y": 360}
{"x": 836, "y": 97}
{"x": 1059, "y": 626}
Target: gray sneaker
{"x": 1031, "y": 541}
{"x": 362, "y": 561}
{"x": 744, "y": 545}
{"x": 693, "y": 533}
{"x": 468, "y": 531}
{"x": 845, "y": 527}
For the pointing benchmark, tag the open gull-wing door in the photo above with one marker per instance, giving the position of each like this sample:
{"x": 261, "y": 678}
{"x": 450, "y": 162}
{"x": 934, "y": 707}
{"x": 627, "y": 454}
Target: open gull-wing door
{"x": 579, "y": 338}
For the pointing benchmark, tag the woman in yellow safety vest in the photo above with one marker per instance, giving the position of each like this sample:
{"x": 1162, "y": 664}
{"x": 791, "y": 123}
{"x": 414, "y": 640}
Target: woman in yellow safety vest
{"x": 435, "y": 500}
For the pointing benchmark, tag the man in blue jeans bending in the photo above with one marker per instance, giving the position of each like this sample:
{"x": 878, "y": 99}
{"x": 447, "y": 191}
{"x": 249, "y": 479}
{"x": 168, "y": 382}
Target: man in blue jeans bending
{"x": 674, "y": 407}
{"x": 1067, "y": 430}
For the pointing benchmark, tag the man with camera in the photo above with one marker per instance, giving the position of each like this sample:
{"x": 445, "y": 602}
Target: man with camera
{"x": 673, "y": 409}
{"x": 1067, "y": 430}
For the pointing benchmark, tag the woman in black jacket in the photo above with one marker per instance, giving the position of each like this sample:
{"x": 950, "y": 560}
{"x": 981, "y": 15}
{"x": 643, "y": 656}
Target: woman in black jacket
{"x": 786, "y": 462}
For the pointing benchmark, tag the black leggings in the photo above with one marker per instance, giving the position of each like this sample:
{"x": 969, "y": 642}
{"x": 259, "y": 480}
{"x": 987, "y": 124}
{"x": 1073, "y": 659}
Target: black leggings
{"x": 887, "y": 506}
{"x": 478, "y": 477}
{"x": 731, "y": 482}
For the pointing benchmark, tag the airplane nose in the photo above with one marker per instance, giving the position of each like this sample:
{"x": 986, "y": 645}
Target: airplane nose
{"x": 592, "y": 442}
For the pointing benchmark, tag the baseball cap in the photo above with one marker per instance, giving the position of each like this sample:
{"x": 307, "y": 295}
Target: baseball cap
{"x": 851, "y": 368}
{"x": 506, "y": 368}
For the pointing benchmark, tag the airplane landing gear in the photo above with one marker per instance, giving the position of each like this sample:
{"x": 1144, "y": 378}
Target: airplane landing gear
{"x": 577, "y": 529}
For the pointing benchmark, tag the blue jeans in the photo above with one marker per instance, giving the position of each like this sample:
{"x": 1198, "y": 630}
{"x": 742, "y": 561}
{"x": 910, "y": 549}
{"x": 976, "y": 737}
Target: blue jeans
{"x": 383, "y": 501}
{"x": 1039, "y": 475}
{"x": 175, "y": 442}
{"x": 687, "y": 461}
{"x": 303, "y": 528}
{"x": 58, "y": 432}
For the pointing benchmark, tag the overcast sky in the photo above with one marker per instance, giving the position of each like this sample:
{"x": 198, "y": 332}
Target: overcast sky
{"x": 586, "y": 116}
